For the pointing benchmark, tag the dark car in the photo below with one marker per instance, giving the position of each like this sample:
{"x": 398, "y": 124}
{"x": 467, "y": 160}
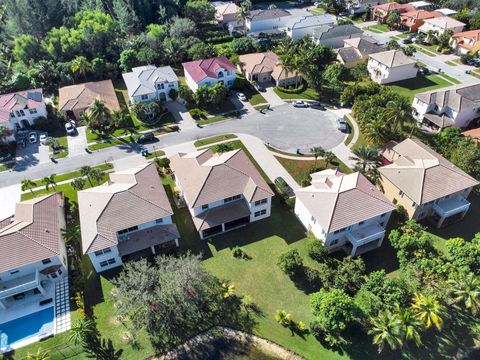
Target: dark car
{"x": 424, "y": 71}
{"x": 283, "y": 187}
{"x": 259, "y": 87}
{"x": 146, "y": 137}
{"x": 318, "y": 105}
{"x": 407, "y": 41}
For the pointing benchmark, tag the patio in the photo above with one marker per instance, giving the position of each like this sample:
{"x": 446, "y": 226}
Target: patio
{"x": 366, "y": 238}
{"x": 451, "y": 210}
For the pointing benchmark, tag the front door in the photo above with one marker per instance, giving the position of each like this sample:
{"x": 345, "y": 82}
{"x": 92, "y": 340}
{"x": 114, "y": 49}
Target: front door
{"x": 163, "y": 97}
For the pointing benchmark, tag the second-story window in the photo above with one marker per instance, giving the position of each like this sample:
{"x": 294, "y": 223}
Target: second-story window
{"x": 161, "y": 86}
{"x": 32, "y": 111}
{"x": 125, "y": 231}
{"x": 260, "y": 202}
{"x": 46, "y": 261}
{"x": 220, "y": 74}
{"x": 205, "y": 207}
{"x": 231, "y": 198}
{"x": 159, "y": 221}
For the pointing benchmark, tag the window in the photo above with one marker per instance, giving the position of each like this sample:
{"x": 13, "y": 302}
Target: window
{"x": 108, "y": 262}
{"x": 260, "y": 213}
{"x": 17, "y": 112}
{"x": 53, "y": 275}
{"x": 158, "y": 221}
{"x": 334, "y": 242}
{"x": 205, "y": 207}
{"x": 170, "y": 85}
{"x": 231, "y": 198}
{"x": 339, "y": 231}
{"x": 60, "y": 272}
{"x": 22, "y": 112}
{"x": 161, "y": 86}
{"x": 260, "y": 202}
{"x": 144, "y": 97}
{"x": 361, "y": 223}
{"x": 220, "y": 74}
{"x": 125, "y": 231}
{"x": 400, "y": 193}
{"x": 103, "y": 251}
{"x": 46, "y": 261}
{"x": 15, "y": 271}
{"x": 230, "y": 82}
{"x": 12, "y": 114}
{"x": 32, "y": 111}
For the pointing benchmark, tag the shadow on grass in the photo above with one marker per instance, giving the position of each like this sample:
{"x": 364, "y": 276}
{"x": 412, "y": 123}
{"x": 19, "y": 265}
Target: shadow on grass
{"x": 417, "y": 83}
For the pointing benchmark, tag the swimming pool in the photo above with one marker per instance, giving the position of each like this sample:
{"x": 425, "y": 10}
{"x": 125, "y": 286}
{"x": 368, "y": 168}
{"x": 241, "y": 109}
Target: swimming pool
{"x": 25, "y": 327}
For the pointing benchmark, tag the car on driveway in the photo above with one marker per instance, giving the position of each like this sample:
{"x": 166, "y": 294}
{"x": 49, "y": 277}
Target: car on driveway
{"x": 259, "y": 87}
{"x": 407, "y": 41}
{"x": 342, "y": 125}
{"x": 300, "y": 104}
{"x": 145, "y": 137}
{"x": 241, "y": 96}
{"x": 318, "y": 105}
{"x": 43, "y": 138}
{"x": 283, "y": 187}
{"x": 69, "y": 128}
{"x": 424, "y": 71}
{"x": 32, "y": 137}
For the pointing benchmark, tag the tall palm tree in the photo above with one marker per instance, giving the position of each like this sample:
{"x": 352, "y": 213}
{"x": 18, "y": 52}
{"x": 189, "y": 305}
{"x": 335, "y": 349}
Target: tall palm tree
{"x": 366, "y": 156}
{"x": 465, "y": 288}
{"x": 71, "y": 235}
{"x": 316, "y": 151}
{"x": 79, "y": 329}
{"x": 28, "y": 185}
{"x": 329, "y": 156}
{"x": 386, "y": 330}
{"x": 97, "y": 175}
{"x": 288, "y": 62}
{"x": 49, "y": 181}
{"x": 284, "y": 46}
{"x": 243, "y": 11}
{"x": 87, "y": 172}
{"x": 78, "y": 183}
{"x": 410, "y": 325}
{"x": 376, "y": 132}
{"x": 98, "y": 111}
{"x": 429, "y": 310}
{"x": 80, "y": 65}
{"x": 399, "y": 112}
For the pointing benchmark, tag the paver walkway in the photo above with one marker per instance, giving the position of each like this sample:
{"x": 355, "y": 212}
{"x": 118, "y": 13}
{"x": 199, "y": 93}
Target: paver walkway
{"x": 62, "y": 306}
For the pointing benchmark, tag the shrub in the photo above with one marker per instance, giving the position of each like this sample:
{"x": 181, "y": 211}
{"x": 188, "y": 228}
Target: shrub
{"x": 283, "y": 318}
{"x": 317, "y": 251}
{"x": 197, "y": 114}
{"x": 312, "y": 276}
{"x": 163, "y": 163}
{"x": 290, "y": 262}
{"x": 239, "y": 253}
{"x": 293, "y": 90}
{"x": 221, "y": 148}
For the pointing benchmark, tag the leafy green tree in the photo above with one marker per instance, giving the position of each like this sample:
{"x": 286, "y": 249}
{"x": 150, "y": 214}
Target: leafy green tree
{"x": 4, "y": 132}
{"x": 386, "y": 329}
{"x": 244, "y": 10}
{"x": 80, "y": 65}
{"x": 243, "y": 45}
{"x": 334, "y": 76}
{"x": 181, "y": 28}
{"x": 444, "y": 40}
{"x": 126, "y": 16}
{"x": 290, "y": 262}
{"x": 202, "y": 51}
{"x": 394, "y": 20}
{"x": 350, "y": 274}
{"x": 26, "y": 49}
{"x": 393, "y": 45}
{"x": 465, "y": 255}
{"x": 199, "y": 10}
{"x": 429, "y": 310}
{"x": 409, "y": 50}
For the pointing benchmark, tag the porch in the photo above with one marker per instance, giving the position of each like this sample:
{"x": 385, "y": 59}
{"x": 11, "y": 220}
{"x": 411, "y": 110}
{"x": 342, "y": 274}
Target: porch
{"x": 450, "y": 210}
{"x": 365, "y": 239}
{"x": 17, "y": 287}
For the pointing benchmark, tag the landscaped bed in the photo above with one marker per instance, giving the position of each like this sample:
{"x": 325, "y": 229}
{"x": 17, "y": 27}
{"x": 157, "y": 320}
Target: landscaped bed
{"x": 308, "y": 94}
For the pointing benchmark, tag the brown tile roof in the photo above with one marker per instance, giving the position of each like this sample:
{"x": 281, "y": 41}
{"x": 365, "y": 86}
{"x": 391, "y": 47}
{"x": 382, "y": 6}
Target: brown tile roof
{"x": 337, "y": 200}
{"x": 424, "y": 175}
{"x": 132, "y": 197}
{"x": 33, "y": 234}
{"x": 206, "y": 177}
{"x": 473, "y": 133}
{"x": 81, "y": 96}
{"x": 267, "y": 62}
{"x": 392, "y": 58}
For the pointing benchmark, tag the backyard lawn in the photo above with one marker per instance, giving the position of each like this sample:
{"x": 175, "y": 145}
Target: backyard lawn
{"x": 419, "y": 84}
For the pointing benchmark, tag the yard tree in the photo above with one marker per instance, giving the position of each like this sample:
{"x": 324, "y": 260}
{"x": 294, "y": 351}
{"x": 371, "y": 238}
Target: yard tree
{"x": 243, "y": 45}
{"x": 4, "y": 132}
{"x": 350, "y": 275}
{"x": 290, "y": 262}
{"x": 201, "y": 50}
{"x": 465, "y": 290}
{"x": 399, "y": 112}
{"x": 410, "y": 325}
{"x": 181, "y": 28}
{"x": 429, "y": 310}
{"x": 199, "y": 10}
{"x": 394, "y": 20}
{"x": 366, "y": 157}
{"x": 334, "y": 76}
{"x": 28, "y": 185}
{"x": 78, "y": 183}
{"x": 126, "y": 16}
{"x": 409, "y": 50}
{"x": 386, "y": 329}
{"x": 393, "y": 45}
{"x": 465, "y": 255}
{"x": 172, "y": 299}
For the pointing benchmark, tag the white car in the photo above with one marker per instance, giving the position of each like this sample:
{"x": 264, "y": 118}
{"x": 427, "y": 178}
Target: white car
{"x": 43, "y": 137}
{"x": 241, "y": 96}
{"x": 300, "y": 104}
{"x": 32, "y": 137}
{"x": 69, "y": 128}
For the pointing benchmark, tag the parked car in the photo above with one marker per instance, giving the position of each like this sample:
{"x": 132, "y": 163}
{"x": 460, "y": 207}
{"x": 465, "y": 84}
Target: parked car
{"x": 283, "y": 187}
{"x": 317, "y": 4}
{"x": 299, "y": 104}
{"x": 32, "y": 137}
{"x": 342, "y": 125}
{"x": 318, "y": 105}
{"x": 241, "y": 96}
{"x": 43, "y": 138}
{"x": 344, "y": 13}
{"x": 259, "y": 87}
{"x": 146, "y": 137}
{"x": 69, "y": 128}
{"x": 424, "y": 71}
{"x": 408, "y": 40}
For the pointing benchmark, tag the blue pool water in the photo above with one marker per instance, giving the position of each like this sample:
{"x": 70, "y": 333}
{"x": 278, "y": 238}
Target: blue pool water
{"x": 24, "y": 327}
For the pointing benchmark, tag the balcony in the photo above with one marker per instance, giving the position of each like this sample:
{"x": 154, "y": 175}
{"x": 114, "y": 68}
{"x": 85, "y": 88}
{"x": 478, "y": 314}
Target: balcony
{"x": 20, "y": 285}
{"x": 451, "y": 206}
{"x": 366, "y": 238}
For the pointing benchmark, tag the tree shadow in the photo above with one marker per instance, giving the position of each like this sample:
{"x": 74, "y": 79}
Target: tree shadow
{"x": 303, "y": 283}
{"x": 100, "y": 348}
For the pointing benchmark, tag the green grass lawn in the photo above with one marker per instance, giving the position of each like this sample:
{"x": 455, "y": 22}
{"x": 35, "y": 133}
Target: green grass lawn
{"x": 308, "y": 93}
{"x": 349, "y": 138}
{"x": 300, "y": 169}
{"x": 317, "y": 11}
{"x": 378, "y": 28}
{"x": 272, "y": 149}
{"x": 425, "y": 50}
{"x": 449, "y": 78}
{"x": 213, "y": 139}
{"x": 417, "y": 85}
{"x": 76, "y": 173}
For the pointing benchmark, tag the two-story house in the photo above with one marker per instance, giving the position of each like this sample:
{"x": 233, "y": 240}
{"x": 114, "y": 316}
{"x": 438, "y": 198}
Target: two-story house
{"x": 455, "y": 106}
{"x": 356, "y": 50}
{"x": 147, "y": 83}
{"x": 32, "y": 265}
{"x": 334, "y": 35}
{"x": 222, "y": 191}
{"x": 391, "y": 66}
{"x": 426, "y": 184}
{"x": 208, "y": 72}
{"x": 344, "y": 211}
{"x": 266, "y": 20}
{"x": 381, "y": 12}
{"x": 412, "y": 20}
{"x": 300, "y": 26}
{"x": 438, "y": 25}
{"x": 226, "y": 13}
{"x": 128, "y": 217}
{"x": 19, "y": 110}
{"x": 357, "y": 7}
{"x": 466, "y": 42}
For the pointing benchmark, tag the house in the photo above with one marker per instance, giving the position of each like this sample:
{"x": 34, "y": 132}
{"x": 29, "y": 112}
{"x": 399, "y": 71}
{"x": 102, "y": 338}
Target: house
{"x": 421, "y": 5}
{"x": 356, "y": 50}
{"x": 454, "y": 106}
{"x": 334, "y": 35}
{"x": 266, "y": 67}
{"x": 427, "y": 185}
{"x": 266, "y": 20}
{"x": 381, "y": 12}
{"x": 344, "y": 211}
{"x": 222, "y": 191}
{"x": 209, "y": 72}
{"x": 300, "y": 26}
{"x": 391, "y": 66}
{"x": 19, "y": 110}
{"x": 128, "y": 217}
{"x": 473, "y": 133}
{"x": 74, "y": 100}
{"x": 466, "y": 42}
{"x": 412, "y": 20}
{"x": 33, "y": 264}
{"x": 439, "y": 25}
{"x": 447, "y": 12}
{"x": 357, "y": 7}
{"x": 147, "y": 83}
{"x": 226, "y": 13}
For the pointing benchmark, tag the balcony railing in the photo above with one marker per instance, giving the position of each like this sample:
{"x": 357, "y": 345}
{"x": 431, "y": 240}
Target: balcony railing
{"x": 366, "y": 234}
{"x": 451, "y": 206}
{"x": 19, "y": 285}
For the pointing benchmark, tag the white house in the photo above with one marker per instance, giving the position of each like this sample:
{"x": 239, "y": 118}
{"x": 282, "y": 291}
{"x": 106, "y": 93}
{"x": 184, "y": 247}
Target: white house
{"x": 128, "y": 217}
{"x": 208, "y": 72}
{"x": 391, "y": 66}
{"x": 334, "y": 35}
{"x": 19, "y": 110}
{"x": 300, "y": 26}
{"x": 344, "y": 211}
{"x": 456, "y": 106}
{"x": 356, "y": 7}
{"x": 222, "y": 191}
{"x": 440, "y": 24}
{"x": 33, "y": 262}
{"x": 266, "y": 20}
{"x": 147, "y": 83}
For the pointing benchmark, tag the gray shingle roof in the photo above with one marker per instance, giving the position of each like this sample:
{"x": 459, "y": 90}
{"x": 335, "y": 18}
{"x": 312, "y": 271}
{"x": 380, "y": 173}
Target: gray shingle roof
{"x": 300, "y": 22}
{"x": 333, "y": 31}
{"x": 142, "y": 79}
{"x": 458, "y": 98}
{"x": 267, "y": 14}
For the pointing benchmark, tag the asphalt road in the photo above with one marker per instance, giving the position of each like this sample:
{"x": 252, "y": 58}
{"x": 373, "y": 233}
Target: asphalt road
{"x": 284, "y": 127}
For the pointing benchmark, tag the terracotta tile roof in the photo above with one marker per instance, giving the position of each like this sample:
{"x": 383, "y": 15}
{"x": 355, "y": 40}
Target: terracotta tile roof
{"x": 261, "y": 63}
{"x": 28, "y": 99}
{"x": 424, "y": 175}
{"x": 201, "y": 69}
{"x": 337, "y": 200}
{"x": 81, "y": 96}
{"x": 206, "y": 178}
{"x": 392, "y": 58}
{"x": 473, "y": 133}
{"x": 226, "y": 9}
{"x": 132, "y": 197}
{"x": 410, "y": 18}
{"x": 470, "y": 35}
{"x": 33, "y": 234}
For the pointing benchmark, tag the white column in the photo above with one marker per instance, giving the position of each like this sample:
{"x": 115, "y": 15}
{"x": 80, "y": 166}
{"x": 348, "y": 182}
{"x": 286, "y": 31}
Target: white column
{"x": 176, "y": 242}
{"x": 153, "y": 249}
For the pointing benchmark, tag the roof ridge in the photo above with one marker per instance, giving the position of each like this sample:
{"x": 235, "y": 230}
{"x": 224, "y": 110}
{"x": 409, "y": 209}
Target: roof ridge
{"x": 140, "y": 197}
{"x": 384, "y": 199}
{"x": 203, "y": 185}
{"x": 104, "y": 237}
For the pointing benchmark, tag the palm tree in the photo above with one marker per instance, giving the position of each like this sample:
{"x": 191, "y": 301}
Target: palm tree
{"x": 284, "y": 46}
{"x": 228, "y": 290}
{"x": 375, "y": 132}
{"x": 87, "y": 171}
{"x": 329, "y": 157}
{"x": 49, "y": 181}
{"x": 71, "y": 235}
{"x": 80, "y": 65}
{"x": 28, "y": 185}
{"x": 243, "y": 11}
{"x": 289, "y": 62}
{"x": 386, "y": 330}
{"x": 40, "y": 355}
{"x": 316, "y": 151}
{"x": 97, "y": 175}
{"x": 366, "y": 157}
{"x": 465, "y": 288}
{"x": 429, "y": 310}
{"x": 272, "y": 6}
{"x": 78, "y": 183}
{"x": 98, "y": 112}
{"x": 410, "y": 325}
{"x": 399, "y": 112}
{"x": 79, "y": 329}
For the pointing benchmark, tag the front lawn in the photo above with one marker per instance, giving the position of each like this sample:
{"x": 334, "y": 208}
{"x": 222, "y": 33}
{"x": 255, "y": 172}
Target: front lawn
{"x": 418, "y": 84}
{"x": 76, "y": 173}
{"x": 213, "y": 139}
{"x": 308, "y": 94}
{"x": 300, "y": 169}
{"x": 378, "y": 28}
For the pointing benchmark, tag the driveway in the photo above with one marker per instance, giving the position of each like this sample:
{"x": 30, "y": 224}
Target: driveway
{"x": 32, "y": 154}
{"x": 181, "y": 115}
{"x": 78, "y": 142}
{"x": 272, "y": 98}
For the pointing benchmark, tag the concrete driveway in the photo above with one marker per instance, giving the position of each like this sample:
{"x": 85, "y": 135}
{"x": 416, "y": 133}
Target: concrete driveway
{"x": 181, "y": 115}
{"x": 78, "y": 142}
{"x": 272, "y": 98}
{"x": 32, "y": 154}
